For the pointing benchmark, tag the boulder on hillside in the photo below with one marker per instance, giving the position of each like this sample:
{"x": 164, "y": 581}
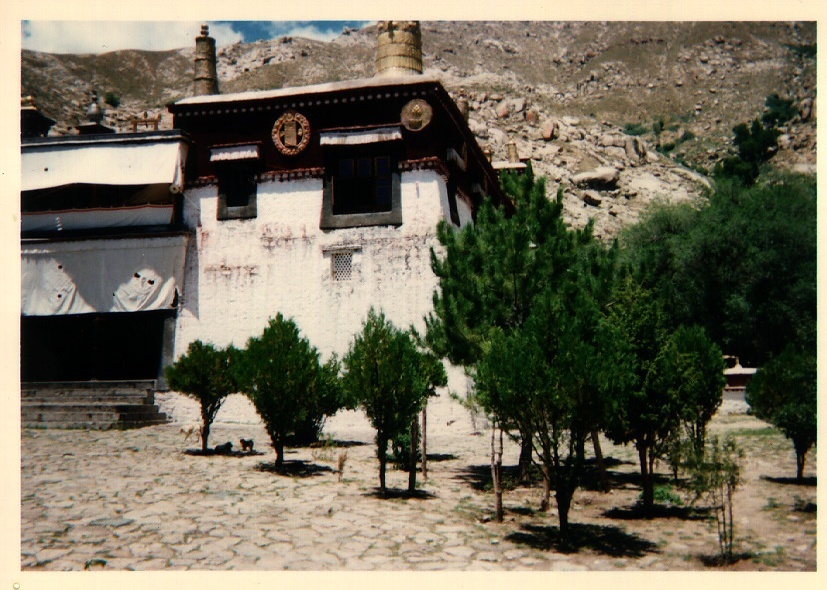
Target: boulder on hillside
{"x": 601, "y": 177}
{"x": 635, "y": 149}
{"x": 550, "y": 130}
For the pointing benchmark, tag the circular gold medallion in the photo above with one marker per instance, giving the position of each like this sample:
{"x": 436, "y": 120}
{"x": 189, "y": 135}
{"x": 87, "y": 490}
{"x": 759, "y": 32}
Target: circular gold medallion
{"x": 291, "y": 133}
{"x": 416, "y": 115}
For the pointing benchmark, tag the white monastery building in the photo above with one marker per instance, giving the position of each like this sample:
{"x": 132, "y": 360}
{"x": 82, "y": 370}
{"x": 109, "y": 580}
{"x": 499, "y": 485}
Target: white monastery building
{"x": 317, "y": 202}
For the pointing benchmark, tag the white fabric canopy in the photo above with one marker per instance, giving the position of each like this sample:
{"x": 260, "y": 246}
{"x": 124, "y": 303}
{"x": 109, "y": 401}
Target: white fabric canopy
{"x": 94, "y": 218}
{"x": 360, "y": 137}
{"x": 136, "y": 274}
{"x": 104, "y": 162}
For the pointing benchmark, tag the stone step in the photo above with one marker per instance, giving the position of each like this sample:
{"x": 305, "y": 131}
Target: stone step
{"x": 68, "y": 424}
{"x": 51, "y": 412}
{"x": 83, "y": 397}
{"x": 94, "y": 405}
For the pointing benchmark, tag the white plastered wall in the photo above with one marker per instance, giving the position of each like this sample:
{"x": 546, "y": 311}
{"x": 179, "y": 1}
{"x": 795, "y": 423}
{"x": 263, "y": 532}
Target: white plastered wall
{"x": 239, "y": 273}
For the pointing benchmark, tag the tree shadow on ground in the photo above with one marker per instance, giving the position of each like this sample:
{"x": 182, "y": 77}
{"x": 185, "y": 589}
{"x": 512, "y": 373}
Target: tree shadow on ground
{"x": 606, "y": 539}
{"x": 400, "y": 494}
{"x": 637, "y": 512}
{"x": 616, "y": 479}
{"x": 337, "y": 444}
{"x": 718, "y": 560}
{"x": 805, "y": 506}
{"x": 804, "y": 481}
{"x": 479, "y": 477}
{"x": 297, "y": 468}
{"x": 438, "y": 457}
{"x": 214, "y": 453}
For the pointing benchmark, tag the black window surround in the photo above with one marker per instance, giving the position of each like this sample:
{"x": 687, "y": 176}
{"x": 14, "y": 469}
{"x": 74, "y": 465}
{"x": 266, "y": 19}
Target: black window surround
{"x": 236, "y": 192}
{"x": 362, "y": 185}
{"x": 236, "y": 167}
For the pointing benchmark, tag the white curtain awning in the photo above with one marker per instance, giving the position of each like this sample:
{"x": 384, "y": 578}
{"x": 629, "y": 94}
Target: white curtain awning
{"x": 104, "y": 162}
{"x": 124, "y": 275}
{"x": 234, "y": 152}
{"x": 94, "y": 218}
{"x": 360, "y": 137}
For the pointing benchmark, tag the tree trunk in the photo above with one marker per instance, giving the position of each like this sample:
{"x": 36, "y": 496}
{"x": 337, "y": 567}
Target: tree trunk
{"x": 205, "y": 436}
{"x": 526, "y": 450}
{"x": 545, "y": 503}
{"x": 496, "y": 471}
{"x": 646, "y": 481}
{"x": 279, "y": 447}
{"x": 800, "y": 457}
{"x": 382, "y": 452}
{"x": 563, "y": 498}
{"x": 603, "y": 480}
{"x": 425, "y": 443}
{"x": 412, "y": 450}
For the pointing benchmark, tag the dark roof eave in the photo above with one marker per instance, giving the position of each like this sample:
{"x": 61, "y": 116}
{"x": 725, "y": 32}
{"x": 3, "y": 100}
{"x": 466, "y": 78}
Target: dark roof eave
{"x": 138, "y": 137}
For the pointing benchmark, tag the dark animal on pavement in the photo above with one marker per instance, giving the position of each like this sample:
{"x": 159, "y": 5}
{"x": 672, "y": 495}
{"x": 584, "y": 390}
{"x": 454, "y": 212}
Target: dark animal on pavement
{"x": 246, "y": 445}
{"x": 224, "y": 449}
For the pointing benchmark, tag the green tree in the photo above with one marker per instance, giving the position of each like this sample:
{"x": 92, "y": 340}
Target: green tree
{"x": 390, "y": 379}
{"x": 784, "y": 393}
{"x": 698, "y": 365}
{"x": 648, "y": 412}
{"x": 205, "y": 374}
{"x": 555, "y": 374}
{"x": 324, "y": 399}
{"x": 742, "y": 265}
{"x": 490, "y": 272}
{"x": 280, "y": 372}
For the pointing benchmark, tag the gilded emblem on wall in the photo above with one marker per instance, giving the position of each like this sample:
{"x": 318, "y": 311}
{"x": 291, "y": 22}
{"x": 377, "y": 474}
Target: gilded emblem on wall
{"x": 291, "y": 133}
{"x": 416, "y": 115}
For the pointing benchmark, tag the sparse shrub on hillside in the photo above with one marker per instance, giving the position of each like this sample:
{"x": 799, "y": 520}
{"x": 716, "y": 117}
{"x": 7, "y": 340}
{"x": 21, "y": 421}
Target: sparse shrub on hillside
{"x": 634, "y": 129}
{"x": 756, "y": 144}
{"x": 779, "y": 110}
{"x": 804, "y": 50}
{"x": 112, "y": 99}
{"x": 686, "y": 136}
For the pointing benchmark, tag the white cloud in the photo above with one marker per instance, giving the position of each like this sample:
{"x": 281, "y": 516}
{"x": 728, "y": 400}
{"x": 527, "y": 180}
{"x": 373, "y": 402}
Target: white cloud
{"x": 104, "y": 36}
{"x": 306, "y": 31}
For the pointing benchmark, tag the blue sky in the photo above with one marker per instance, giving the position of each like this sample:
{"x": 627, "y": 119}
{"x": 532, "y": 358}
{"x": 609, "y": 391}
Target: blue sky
{"x": 104, "y": 36}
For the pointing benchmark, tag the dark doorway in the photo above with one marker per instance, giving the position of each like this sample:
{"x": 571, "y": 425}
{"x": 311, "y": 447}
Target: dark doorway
{"x": 86, "y": 347}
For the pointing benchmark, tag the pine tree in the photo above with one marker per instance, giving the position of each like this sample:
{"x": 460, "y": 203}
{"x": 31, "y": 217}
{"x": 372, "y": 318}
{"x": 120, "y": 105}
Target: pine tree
{"x": 491, "y": 271}
{"x": 204, "y": 373}
{"x": 390, "y": 379}
{"x": 280, "y": 371}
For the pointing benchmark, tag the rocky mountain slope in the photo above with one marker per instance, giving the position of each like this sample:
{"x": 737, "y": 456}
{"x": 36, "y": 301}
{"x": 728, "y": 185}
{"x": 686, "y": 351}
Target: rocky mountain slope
{"x": 618, "y": 114}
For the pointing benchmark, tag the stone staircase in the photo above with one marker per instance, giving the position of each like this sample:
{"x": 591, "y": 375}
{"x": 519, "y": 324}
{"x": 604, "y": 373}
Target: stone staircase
{"x": 94, "y": 405}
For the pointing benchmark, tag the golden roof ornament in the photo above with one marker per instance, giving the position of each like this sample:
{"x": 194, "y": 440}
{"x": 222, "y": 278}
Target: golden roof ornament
{"x": 416, "y": 115}
{"x": 398, "y": 48}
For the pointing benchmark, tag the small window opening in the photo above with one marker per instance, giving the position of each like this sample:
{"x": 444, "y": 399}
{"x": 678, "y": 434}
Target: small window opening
{"x": 342, "y": 266}
{"x": 236, "y": 192}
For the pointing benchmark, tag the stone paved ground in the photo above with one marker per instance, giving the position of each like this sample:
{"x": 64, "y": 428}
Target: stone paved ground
{"x": 123, "y": 500}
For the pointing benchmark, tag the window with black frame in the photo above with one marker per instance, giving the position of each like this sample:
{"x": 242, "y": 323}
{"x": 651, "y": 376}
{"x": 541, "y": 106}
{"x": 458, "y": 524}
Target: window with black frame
{"x": 361, "y": 186}
{"x": 236, "y": 191}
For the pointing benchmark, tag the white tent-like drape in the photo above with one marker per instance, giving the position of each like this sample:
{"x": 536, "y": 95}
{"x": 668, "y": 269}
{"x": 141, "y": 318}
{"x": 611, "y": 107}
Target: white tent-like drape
{"x": 113, "y": 162}
{"x": 89, "y": 276}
